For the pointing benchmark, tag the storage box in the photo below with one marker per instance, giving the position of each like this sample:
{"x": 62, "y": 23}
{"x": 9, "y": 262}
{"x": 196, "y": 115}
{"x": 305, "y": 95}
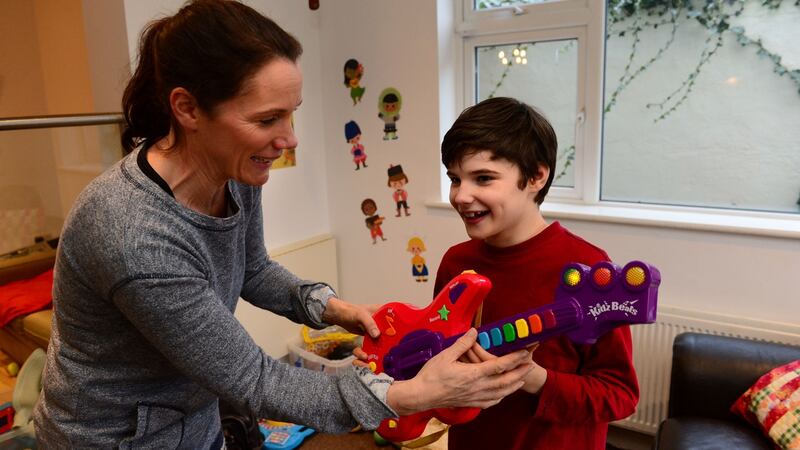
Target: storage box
{"x": 300, "y": 357}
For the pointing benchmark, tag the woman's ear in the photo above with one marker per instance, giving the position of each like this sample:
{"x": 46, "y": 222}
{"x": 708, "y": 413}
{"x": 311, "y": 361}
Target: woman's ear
{"x": 184, "y": 108}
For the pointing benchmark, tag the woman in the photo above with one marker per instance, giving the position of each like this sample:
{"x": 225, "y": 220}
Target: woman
{"x": 157, "y": 251}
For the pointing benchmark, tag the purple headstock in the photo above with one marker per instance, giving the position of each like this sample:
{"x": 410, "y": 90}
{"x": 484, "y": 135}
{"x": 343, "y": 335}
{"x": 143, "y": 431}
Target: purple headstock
{"x": 610, "y": 296}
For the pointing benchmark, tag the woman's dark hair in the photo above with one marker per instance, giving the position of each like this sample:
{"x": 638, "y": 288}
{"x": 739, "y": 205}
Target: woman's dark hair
{"x": 511, "y": 130}
{"x": 210, "y": 48}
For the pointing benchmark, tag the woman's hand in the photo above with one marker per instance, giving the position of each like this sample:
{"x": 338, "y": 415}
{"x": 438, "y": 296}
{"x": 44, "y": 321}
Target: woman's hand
{"x": 353, "y": 318}
{"x": 445, "y": 382}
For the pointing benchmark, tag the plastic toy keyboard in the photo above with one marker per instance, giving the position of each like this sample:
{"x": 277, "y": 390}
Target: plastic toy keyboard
{"x": 589, "y": 302}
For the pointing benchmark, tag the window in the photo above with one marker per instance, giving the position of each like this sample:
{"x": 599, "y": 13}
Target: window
{"x": 665, "y": 105}
{"x": 702, "y": 105}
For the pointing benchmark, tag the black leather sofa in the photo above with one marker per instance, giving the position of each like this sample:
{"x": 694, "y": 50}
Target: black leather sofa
{"x": 708, "y": 374}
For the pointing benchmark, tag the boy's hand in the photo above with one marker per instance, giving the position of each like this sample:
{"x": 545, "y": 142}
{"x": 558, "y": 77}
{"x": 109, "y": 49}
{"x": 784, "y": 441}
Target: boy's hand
{"x": 445, "y": 382}
{"x": 534, "y": 380}
{"x": 353, "y": 318}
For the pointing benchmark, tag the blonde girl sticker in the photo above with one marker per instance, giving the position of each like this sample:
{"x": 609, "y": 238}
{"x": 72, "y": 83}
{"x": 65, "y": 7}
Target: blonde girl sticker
{"x": 419, "y": 270}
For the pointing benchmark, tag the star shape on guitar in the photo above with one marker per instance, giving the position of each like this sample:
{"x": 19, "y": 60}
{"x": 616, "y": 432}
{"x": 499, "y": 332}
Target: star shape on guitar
{"x": 443, "y": 312}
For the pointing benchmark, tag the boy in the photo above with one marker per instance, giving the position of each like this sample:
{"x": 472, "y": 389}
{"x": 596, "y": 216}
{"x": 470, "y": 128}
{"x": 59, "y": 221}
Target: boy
{"x": 500, "y": 156}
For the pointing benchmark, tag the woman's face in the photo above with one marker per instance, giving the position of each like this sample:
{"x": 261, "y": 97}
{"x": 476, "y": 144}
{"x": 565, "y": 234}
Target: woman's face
{"x": 242, "y": 136}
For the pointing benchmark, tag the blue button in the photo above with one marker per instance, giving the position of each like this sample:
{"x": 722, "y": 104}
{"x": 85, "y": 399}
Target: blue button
{"x": 483, "y": 339}
{"x": 497, "y": 336}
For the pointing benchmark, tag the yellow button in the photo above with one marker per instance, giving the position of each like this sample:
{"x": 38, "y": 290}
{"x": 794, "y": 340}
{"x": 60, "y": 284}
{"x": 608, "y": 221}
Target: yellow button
{"x": 392, "y": 423}
{"x": 522, "y": 328}
{"x": 469, "y": 271}
{"x": 372, "y": 366}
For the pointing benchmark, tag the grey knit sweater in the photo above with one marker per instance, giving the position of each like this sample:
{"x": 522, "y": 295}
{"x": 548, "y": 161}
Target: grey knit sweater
{"x": 144, "y": 339}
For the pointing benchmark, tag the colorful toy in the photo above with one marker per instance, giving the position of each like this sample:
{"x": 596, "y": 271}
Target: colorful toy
{"x": 589, "y": 302}
{"x": 283, "y": 435}
{"x": 6, "y": 417}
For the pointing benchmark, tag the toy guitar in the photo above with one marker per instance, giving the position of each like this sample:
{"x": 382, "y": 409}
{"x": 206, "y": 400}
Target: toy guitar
{"x": 588, "y": 303}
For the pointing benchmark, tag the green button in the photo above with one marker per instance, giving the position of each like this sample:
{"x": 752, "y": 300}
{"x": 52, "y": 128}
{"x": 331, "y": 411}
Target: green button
{"x": 508, "y": 331}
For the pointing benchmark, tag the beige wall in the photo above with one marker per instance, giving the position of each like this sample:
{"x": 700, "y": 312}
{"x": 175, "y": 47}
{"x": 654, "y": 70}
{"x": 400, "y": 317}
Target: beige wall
{"x": 64, "y": 60}
{"x": 21, "y": 84}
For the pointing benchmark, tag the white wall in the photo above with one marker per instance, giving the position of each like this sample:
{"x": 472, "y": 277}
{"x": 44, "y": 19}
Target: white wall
{"x": 738, "y": 275}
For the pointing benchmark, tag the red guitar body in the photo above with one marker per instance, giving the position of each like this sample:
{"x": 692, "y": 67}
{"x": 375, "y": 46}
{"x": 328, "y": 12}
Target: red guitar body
{"x": 450, "y": 313}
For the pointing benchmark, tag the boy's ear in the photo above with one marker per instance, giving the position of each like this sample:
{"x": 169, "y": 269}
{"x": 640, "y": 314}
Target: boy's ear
{"x": 184, "y": 108}
{"x": 540, "y": 179}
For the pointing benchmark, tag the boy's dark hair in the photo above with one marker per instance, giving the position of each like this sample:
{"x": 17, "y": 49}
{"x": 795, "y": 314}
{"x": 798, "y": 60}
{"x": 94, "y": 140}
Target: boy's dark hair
{"x": 509, "y": 129}
{"x": 210, "y": 48}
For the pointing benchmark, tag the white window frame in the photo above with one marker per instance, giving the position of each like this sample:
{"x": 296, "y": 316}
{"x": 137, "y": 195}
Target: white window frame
{"x": 584, "y": 19}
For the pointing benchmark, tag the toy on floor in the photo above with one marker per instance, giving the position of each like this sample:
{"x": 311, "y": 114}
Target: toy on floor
{"x": 283, "y": 435}
{"x": 6, "y": 417}
{"x": 589, "y": 302}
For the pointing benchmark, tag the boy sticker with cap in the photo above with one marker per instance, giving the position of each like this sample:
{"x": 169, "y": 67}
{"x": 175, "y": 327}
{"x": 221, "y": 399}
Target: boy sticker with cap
{"x": 397, "y": 180}
{"x": 352, "y": 133}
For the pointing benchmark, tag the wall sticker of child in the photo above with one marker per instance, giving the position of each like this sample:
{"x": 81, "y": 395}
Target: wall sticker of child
{"x": 389, "y": 103}
{"x": 397, "y": 180}
{"x": 352, "y": 133}
{"x": 373, "y": 220}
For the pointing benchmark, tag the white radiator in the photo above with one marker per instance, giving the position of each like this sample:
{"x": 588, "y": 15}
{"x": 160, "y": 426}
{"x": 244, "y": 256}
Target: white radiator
{"x": 652, "y": 354}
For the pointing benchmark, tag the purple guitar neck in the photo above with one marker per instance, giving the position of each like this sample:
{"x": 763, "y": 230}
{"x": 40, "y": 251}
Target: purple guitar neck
{"x": 589, "y": 302}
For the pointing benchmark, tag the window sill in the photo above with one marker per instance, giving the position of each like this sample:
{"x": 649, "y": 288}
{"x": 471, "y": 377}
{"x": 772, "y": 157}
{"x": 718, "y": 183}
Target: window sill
{"x": 720, "y": 221}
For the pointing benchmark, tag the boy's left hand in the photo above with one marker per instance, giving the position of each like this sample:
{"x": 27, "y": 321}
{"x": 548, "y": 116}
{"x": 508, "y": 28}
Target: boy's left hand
{"x": 353, "y": 318}
{"x": 533, "y": 381}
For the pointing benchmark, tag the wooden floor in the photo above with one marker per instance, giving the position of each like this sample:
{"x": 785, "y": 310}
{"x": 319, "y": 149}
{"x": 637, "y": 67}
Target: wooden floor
{"x": 7, "y": 382}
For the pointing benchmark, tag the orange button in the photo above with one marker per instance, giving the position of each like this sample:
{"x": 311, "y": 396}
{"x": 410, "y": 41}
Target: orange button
{"x": 536, "y": 323}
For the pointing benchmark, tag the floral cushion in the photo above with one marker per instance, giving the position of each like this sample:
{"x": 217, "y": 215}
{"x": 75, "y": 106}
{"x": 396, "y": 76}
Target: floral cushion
{"x": 773, "y": 405}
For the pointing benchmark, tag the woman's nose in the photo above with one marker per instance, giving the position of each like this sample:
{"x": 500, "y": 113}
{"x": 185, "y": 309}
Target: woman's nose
{"x": 286, "y": 138}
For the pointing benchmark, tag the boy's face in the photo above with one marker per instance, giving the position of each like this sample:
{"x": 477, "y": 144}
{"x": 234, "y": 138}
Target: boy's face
{"x": 487, "y": 196}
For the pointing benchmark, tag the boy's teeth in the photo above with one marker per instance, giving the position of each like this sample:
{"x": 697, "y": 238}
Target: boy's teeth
{"x": 259, "y": 159}
{"x": 473, "y": 214}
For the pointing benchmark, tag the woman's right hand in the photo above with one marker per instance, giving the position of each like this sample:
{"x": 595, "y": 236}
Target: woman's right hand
{"x": 445, "y": 382}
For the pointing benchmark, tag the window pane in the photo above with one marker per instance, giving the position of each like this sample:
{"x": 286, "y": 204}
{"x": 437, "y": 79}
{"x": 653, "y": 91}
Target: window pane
{"x": 702, "y": 105}
{"x": 41, "y": 173}
{"x": 532, "y": 72}
{"x": 489, "y": 4}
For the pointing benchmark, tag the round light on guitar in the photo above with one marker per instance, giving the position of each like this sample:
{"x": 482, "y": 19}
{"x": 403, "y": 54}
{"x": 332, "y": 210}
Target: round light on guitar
{"x": 602, "y": 276}
{"x": 635, "y": 276}
{"x": 572, "y": 277}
